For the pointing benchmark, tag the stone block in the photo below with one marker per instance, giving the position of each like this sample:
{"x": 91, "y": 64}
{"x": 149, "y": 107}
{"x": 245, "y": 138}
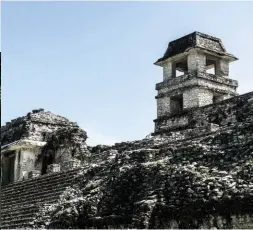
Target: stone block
{"x": 222, "y": 68}
{"x": 33, "y": 174}
{"x": 163, "y": 106}
{"x": 70, "y": 164}
{"x": 196, "y": 62}
{"x": 53, "y": 168}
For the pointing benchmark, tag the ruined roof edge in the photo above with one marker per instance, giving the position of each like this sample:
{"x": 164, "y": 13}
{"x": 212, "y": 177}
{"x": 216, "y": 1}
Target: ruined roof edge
{"x": 195, "y": 45}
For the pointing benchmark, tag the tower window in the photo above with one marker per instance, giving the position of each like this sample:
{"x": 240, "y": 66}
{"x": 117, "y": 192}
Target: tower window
{"x": 211, "y": 65}
{"x": 176, "y": 104}
{"x": 181, "y": 67}
{"x": 217, "y": 98}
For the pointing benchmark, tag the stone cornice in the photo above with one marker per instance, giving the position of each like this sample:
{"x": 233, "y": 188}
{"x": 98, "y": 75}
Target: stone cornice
{"x": 22, "y": 143}
{"x": 205, "y": 76}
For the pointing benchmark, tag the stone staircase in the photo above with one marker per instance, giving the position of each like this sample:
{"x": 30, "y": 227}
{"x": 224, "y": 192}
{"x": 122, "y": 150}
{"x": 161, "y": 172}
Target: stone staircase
{"x": 21, "y": 200}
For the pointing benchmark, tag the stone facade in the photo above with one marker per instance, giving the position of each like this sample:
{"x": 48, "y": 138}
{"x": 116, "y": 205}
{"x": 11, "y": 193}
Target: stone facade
{"x": 35, "y": 126}
{"x": 192, "y": 56}
{"x": 22, "y": 142}
{"x": 221, "y": 113}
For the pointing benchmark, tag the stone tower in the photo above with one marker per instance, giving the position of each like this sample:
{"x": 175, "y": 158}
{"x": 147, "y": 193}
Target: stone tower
{"x": 187, "y": 80}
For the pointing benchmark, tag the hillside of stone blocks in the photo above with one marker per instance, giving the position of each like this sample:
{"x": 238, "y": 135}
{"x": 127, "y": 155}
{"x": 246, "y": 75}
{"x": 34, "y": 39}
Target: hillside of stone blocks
{"x": 165, "y": 181}
{"x": 180, "y": 179}
{"x": 21, "y": 201}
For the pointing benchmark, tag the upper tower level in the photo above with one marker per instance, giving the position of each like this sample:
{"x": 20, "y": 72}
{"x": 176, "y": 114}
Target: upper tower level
{"x": 187, "y": 78}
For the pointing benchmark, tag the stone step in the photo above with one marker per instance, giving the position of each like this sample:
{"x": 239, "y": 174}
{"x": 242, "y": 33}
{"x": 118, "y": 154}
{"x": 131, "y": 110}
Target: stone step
{"x": 22, "y": 200}
{"x": 36, "y": 200}
{"x": 18, "y": 210}
{"x": 31, "y": 195}
{"x": 16, "y": 222}
{"x": 23, "y": 185}
{"x": 31, "y": 199}
{"x": 39, "y": 179}
{"x": 14, "y": 226}
{"x": 39, "y": 188}
{"x": 17, "y": 216}
{"x": 59, "y": 184}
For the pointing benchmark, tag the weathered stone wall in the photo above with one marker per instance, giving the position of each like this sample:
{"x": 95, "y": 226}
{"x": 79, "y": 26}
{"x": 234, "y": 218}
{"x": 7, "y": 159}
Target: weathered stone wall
{"x": 205, "y": 97}
{"x": 163, "y": 106}
{"x": 206, "y": 80}
{"x": 34, "y": 126}
{"x": 29, "y": 134}
{"x": 24, "y": 163}
{"x": 198, "y": 90}
{"x": 216, "y": 222}
{"x": 221, "y": 113}
{"x": 28, "y": 164}
{"x": 196, "y": 62}
{"x": 197, "y": 97}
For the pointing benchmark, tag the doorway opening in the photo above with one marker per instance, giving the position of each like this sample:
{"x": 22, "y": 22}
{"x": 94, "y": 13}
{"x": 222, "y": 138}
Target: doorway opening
{"x": 176, "y": 104}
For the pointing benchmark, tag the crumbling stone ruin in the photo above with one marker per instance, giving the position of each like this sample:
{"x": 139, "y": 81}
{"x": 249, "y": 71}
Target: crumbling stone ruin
{"x": 194, "y": 171}
{"x": 31, "y": 143}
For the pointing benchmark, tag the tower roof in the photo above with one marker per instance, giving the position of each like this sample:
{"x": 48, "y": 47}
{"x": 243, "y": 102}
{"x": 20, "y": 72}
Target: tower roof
{"x": 195, "y": 40}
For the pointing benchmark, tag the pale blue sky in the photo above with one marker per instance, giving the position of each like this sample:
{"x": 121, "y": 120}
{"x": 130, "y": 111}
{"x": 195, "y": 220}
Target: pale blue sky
{"x": 92, "y": 62}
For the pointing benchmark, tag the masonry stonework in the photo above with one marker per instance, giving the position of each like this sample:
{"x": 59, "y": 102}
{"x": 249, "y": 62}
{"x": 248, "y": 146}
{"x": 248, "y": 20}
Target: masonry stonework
{"x": 163, "y": 105}
{"x": 223, "y": 68}
{"x": 23, "y": 140}
{"x": 193, "y": 55}
{"x": 167, "y": 71}
{"x": 197, "y": 97}
{"x": 196, "y": 62}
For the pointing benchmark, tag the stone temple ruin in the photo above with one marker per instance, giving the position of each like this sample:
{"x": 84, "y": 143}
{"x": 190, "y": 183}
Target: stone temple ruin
{"x": 194, "y": 171}
{"x": 23, "y": 139}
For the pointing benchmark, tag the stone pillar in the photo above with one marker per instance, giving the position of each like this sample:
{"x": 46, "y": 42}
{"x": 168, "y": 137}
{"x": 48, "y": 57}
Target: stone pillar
{"x": 27, "y": 161}
{"x": 190, "y": 98}
{"x": 16, "y": 167}
{"x": 205, "y": 97}
{"x": 168, "y": 71}
{"x": 163, "y": 106}
{"x": 197, "y": 97}
{"x": 222, "y": 68}
{"x": 196, "y": 62}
